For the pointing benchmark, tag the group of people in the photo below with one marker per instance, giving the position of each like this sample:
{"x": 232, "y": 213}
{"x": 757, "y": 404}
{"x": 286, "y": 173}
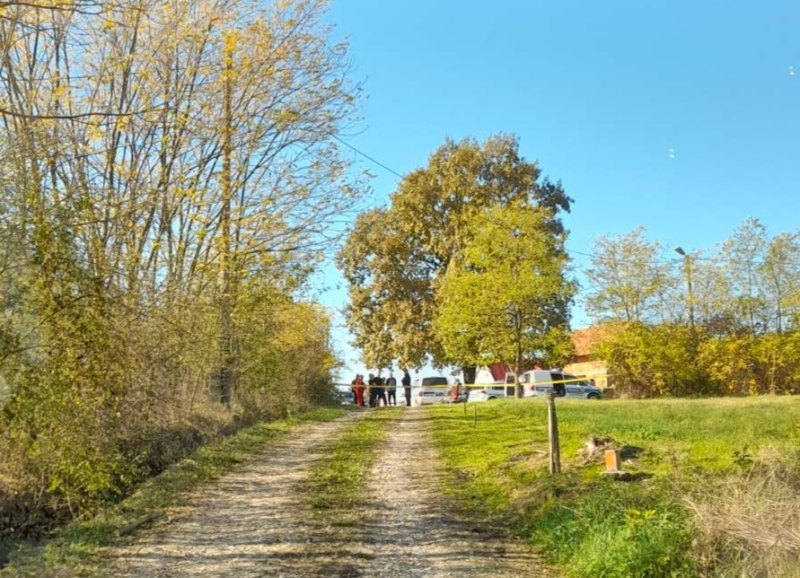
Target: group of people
{"x": 377, "y": 390}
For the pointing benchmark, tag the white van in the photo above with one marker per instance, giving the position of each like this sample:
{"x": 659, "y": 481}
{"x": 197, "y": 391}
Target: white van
{"x": 540, "y": 382}
{"x": 536, "y": 383}
{"x": 488, "y": 392}
{"x": 507, "y": 387}
{"x": 428, "y": 390}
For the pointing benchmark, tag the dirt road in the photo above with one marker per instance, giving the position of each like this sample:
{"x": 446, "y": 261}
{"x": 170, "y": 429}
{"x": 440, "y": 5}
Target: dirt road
{"x": 256, "y": 522}
{"x": 414, "y": 532}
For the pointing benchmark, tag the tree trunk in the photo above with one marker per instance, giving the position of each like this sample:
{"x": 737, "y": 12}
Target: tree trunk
{"x": 469, "y": 372}
{"x": 518, "y": 393}
{"x": 225, "y": 303}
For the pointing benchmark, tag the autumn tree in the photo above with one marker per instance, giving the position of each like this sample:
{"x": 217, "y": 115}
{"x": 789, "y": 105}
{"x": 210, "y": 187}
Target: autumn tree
{"x": 656, "y": 360}
{"x": 138, "y": 186}
{"x": 780, "y": 275}
{"x": 711, "y": 287}
{"x": 170, "y": 178}
{"x": 743, "y": 252}
{"x": 629, "y": 280}
{"x": 505, "y": 296}
{"x": 395, "y": 257}
{"x": 750, "y": 282}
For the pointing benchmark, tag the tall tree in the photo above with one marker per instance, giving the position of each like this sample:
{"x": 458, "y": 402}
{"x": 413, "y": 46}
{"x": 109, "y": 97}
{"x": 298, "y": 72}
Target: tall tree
{"x": 780, "y": 274}
{"x": 714, "y": 309}
{"x": 628, "y": 280}
{"x": 125, "y": 144}
{"x": 395, "y": 258}
{"x": 505, "y": 297}
{"x": 745, "y": 252}
{"x": 750, "y": 282}
{"x": 161, "y": 160}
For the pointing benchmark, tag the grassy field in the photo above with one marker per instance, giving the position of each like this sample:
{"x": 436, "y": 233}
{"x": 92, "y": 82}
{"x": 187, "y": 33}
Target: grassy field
{"x": 78, "y": 549}
{"x": 710, "y": 478}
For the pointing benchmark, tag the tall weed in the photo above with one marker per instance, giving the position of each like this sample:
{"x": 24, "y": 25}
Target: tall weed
{"x": 749, "y": 525}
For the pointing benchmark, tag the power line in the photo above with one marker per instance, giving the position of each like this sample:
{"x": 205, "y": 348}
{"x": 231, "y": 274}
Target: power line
{"x": 579, "y": 252}
{"x": 366, "y": 156}
{"x": 660, "y": 261}
{"x": 394, "y": 172}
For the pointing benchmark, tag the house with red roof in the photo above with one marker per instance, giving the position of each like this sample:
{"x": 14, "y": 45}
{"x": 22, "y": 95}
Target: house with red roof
{"x": 498, "y": 373}
{"x": 584, "y": 361}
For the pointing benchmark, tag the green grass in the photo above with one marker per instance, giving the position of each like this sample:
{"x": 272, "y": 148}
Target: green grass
{"x": 590, "y": 525}
{"x": 78, "y": 549}
{"x": 336, "y": 482}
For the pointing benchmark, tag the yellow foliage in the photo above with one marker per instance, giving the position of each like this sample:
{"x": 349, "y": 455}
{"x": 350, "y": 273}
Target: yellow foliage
{"x": 116, "y": 295}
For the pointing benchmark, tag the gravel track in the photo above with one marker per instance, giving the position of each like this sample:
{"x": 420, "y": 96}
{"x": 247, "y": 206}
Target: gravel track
{"x": 412, "y": 530}
{"x": 252, "y": 522}
{"x": 256, "y": 521}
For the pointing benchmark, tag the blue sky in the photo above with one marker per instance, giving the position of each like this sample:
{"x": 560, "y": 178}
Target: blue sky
{"x": 598, "y": 93}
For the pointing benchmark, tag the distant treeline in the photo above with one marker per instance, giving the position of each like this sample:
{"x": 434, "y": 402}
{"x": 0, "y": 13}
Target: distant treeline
{"x": 671, "y": 360}
{"x": 717, "y": 323}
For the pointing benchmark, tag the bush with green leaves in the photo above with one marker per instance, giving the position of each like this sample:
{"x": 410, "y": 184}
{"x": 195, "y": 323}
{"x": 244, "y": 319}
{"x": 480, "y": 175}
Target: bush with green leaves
{"x": 652, "y": 361}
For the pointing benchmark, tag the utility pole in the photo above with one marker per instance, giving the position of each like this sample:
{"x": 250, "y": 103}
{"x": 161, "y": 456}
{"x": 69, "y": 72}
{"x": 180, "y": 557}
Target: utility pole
{"x": 687, "y": 269}
{"x": 225, "y": 301}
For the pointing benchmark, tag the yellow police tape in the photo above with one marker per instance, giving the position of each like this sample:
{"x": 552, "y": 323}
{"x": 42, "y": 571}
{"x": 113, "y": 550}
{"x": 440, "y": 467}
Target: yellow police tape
{"x": 477, "y": 385}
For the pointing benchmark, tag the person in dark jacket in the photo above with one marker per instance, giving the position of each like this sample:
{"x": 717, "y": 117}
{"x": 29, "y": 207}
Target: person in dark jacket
{"x": 380, "y": 394}
{"x": 391, "y": 389}
{"x": 407, "y": 386}
{"x": 372, "y": 391}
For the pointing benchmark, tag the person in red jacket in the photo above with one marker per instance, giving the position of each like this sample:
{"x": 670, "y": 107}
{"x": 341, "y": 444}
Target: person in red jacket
{"x": 358, "y": 389}
{"x": 455, "y": 391}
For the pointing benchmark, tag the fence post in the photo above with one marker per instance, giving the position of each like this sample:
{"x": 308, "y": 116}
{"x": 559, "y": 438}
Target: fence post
{"x": 475, "y": 407}
{"x": 552, "y": 435}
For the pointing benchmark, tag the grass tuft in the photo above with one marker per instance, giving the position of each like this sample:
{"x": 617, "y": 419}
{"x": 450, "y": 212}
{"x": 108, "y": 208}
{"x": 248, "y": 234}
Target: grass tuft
{"x": 749, "y": 525}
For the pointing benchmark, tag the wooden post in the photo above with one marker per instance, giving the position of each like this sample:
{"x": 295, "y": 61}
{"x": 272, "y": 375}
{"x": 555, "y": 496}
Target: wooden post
{"x": 475, "y": 407}
{"x": 552, "y": 435}
{"x": 465, "y": 408}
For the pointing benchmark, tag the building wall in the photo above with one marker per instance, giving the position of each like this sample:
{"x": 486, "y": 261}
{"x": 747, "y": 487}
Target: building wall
{"x": 495, "y": 373}
{"x": 592, "y": 369}
{"x": 483, "y": 375}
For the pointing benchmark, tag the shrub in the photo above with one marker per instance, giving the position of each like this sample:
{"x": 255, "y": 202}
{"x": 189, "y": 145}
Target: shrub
{"x": 651, "y": 361}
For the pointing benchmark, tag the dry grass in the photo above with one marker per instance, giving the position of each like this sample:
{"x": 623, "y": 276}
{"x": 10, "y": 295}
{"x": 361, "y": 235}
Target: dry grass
{"x": 750, "y": 525}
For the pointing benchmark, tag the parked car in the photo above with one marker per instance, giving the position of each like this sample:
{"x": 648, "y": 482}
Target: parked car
{"x": 539, "y": 383}
{"x": 490, "y": 392}
{"x": 344, "y": 395}
{"x": 429, "y": 390}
